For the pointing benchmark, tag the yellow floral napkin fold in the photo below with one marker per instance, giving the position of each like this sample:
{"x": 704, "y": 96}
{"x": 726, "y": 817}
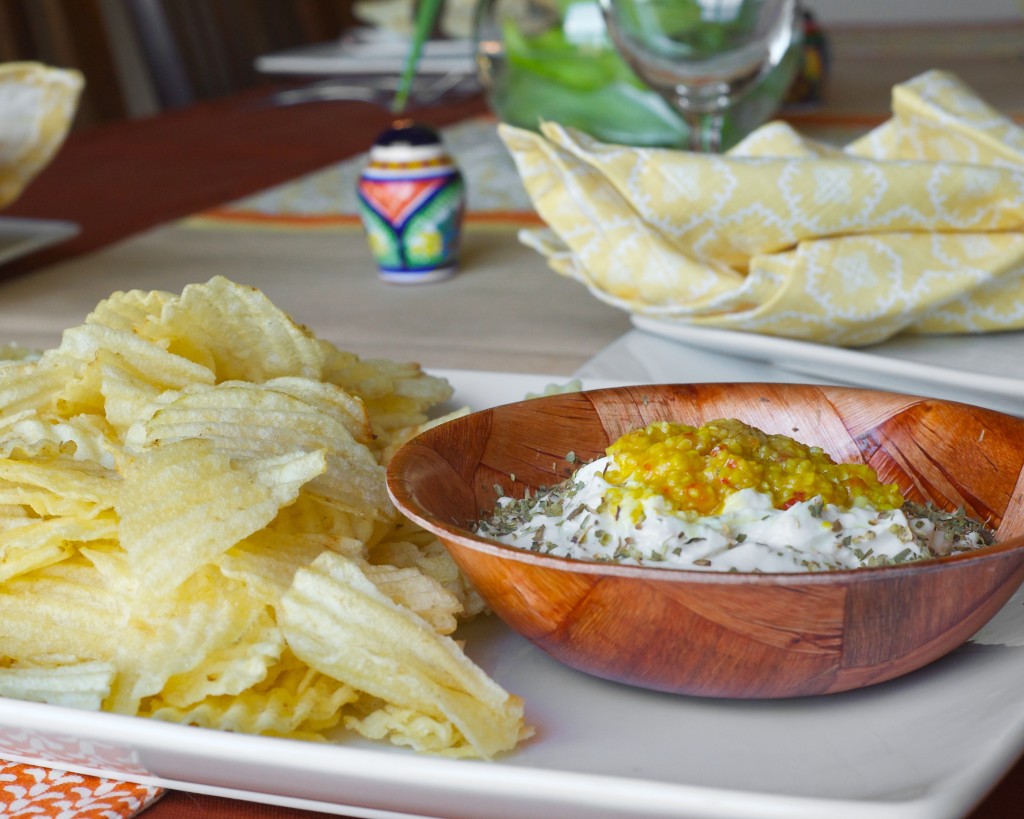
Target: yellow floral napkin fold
{"x": 916, "y": 227}
{"x": 37, "y": 105}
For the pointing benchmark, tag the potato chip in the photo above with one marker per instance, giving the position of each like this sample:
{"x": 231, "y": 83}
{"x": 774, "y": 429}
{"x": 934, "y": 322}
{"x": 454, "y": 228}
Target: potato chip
{"x": 42, "y": 542}
{"x": 409, "y": 727}
{"x": 418, "y": 592}
{"x": 337, "y": 621}
{"x": 151, "y": 637}
{"x": 65, "y": 609}
{"x": 77, "y": 685}
{"x": 248, "y": 420}
{"x": 23, "y": 435}
{"x": 83, "y": 343}
{"x": 194, "y": 526}
{"x": 174, "y": 633}
{"x": 81, "y": 393}
{"x": 10, "y": 353}
{"x": 32, "y": 384}
{"x": 106, "y": 383}
{"x": 425, "y": 552}
{"x": 375, "y": 379}
{"x": 311, "y": 514}
{"x": 187, "y": 494}
{"x": 229, "y": 669}
{"x": 39, "y": 502}
{"x": 266, "y": 561}
{"x": 294, "y": 701}
{"x": 14, "y": 515}
{"x": 329, "y": 399}
{"x": 26, "y": 434}
{"x": 129, "y": 310}
{"x": 130, "y": 394}
{"x": 403, "y": 434}
{"x": 248, "y": 337}
{"x": 137, "y": 310}
{"x": 127, "y": 396}
{"x": 62, "y": 478}
{"x": 396, "y": 395}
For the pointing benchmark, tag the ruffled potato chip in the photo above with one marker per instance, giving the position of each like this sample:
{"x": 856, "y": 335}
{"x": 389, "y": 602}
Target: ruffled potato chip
{"x": 41, "y": 542}
{"x": 77, "y": 685}
{"x": 194, "y": 527}
{"x": 255, "y": 420}
{"x": 32, "y": 384}
{"x": 294, "y": 701}
{"x": 63, "y": 479}
{"x": 418, "y": 592}
{"x": 396, "y": 395}
{"x": 173, "y": 634}
{"x": 66, "y": 609}
{"x": 337, "y": 621}
{"x": 187, "y": 494}
{"x": 129, "y": 310}
{"x": 245, "y": 335}
{"x": 230, "y": 669}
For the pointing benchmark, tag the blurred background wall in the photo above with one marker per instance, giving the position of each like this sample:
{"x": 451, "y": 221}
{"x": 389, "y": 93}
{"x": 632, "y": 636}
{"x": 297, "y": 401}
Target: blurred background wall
{"x": 895, "y": 12}
{"x": 122, "y": 46}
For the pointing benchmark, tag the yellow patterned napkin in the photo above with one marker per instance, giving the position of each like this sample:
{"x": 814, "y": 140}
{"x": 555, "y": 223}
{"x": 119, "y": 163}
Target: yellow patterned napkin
{"x": 916, "y": 227}
{"x": 37, "y": 104}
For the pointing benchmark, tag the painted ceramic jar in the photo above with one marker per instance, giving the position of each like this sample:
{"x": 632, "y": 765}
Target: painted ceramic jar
{"x": 411, "y": 200}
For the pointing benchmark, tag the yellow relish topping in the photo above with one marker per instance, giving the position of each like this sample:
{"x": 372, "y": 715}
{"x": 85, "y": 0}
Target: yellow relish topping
{"x": 696, "y": 468}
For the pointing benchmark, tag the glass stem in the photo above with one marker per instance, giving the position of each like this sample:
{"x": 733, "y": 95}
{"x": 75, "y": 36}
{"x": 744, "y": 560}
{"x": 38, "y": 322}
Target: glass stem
{"x": 705, "y": 131}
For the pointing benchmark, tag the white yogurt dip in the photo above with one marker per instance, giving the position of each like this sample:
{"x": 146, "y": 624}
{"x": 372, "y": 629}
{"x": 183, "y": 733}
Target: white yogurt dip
{"x": 749, "y": 535}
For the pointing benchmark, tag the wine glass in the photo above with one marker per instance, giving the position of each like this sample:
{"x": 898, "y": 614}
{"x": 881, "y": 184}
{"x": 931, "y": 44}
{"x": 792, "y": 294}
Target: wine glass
{"x": 703, "y": 55}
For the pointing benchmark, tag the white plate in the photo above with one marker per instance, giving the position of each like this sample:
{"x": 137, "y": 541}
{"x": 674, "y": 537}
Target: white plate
{"x": 926, "y": 745}
{"x": 19, "y": 237}
{"x": 988, "y": 368}
{"x": 378, "y": 55}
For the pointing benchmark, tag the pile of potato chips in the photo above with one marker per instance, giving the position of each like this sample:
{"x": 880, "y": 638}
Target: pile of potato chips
{"x": 194, "y": 526}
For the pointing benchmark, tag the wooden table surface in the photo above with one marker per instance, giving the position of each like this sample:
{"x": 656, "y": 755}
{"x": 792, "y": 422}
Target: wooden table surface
{"x": 117, "y": 180}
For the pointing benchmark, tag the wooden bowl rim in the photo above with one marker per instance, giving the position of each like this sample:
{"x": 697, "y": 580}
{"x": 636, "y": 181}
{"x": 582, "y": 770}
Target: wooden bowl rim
{"x": 401, "y": 496}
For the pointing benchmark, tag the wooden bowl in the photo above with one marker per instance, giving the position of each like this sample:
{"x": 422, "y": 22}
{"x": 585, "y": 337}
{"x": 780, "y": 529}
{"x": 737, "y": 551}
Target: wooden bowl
{"x": 725, "y": 634}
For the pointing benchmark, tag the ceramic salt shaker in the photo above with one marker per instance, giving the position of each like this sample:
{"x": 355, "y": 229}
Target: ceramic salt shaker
{"x": 411, "y": 200}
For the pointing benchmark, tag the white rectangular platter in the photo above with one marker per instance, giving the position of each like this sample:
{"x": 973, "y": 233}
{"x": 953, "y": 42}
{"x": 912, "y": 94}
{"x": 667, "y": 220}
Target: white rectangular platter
{"x": 19, "y": 237}
{"x": 927, "y": 745}
{"x": 985, "y": 369}
{"x": 368, "y": 51}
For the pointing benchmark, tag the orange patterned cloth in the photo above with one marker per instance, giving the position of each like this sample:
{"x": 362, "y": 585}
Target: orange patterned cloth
{"x": 32, "y": 791}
